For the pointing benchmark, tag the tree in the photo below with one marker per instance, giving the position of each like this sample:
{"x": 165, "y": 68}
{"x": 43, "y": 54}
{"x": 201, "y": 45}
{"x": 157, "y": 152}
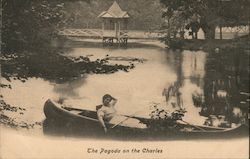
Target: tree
{"x": 192, "y": 11}
{"x": 210, "y": 13}
{"x": 29, "y": 24}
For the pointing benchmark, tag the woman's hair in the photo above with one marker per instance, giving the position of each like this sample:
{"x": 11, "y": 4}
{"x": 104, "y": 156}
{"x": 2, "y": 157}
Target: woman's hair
{"x": 107, "y": 96}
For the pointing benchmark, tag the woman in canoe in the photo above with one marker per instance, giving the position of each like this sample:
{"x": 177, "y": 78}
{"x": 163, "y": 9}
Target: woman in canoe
{"x": 107, "y": 113}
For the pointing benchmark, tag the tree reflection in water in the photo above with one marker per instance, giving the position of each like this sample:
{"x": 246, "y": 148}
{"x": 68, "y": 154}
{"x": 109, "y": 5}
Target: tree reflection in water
{"x": 226, "y": 79}
{"x": 222, "y": 81}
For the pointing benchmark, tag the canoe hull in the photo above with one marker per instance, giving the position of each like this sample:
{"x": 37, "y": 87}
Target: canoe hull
{"x": 60, "y": 119}
{"x": 62, "y": 122}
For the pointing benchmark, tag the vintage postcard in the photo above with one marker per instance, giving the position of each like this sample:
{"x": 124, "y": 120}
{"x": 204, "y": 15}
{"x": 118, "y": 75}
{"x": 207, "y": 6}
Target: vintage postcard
{"x": 126, "y": 79}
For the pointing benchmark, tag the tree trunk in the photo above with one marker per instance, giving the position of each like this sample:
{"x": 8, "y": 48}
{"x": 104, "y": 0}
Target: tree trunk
{"x": 196, "y": 35}
{"x": 208, "y": 27}
{"x": 168, "y": 34}
{"x": 182, "y": 32}
{"x": 209, "y": 32}
{"x": 220, "y": 32}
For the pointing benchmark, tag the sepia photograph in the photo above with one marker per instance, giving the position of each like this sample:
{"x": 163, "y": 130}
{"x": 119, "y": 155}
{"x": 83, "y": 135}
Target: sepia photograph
{"x": 164, "y": 79}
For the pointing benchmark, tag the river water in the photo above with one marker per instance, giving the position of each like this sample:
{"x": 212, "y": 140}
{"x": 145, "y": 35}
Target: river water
{"x": 213, "y": 86}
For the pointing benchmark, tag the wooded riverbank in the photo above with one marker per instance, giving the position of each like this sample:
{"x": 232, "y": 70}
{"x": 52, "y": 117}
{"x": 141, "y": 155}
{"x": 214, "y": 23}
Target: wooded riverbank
{"x": 210, "y": 44}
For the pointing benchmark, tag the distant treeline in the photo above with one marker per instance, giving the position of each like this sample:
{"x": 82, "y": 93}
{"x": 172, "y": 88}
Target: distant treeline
{"x": 144, "y": 14}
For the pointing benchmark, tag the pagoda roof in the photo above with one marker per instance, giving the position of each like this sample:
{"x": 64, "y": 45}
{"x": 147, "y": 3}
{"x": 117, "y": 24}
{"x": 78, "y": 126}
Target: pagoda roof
{"x": 114, "y": 11}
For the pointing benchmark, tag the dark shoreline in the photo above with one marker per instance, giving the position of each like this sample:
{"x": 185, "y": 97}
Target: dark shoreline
{"x": 211, "y": 45}
{"x": 132, "y": 43}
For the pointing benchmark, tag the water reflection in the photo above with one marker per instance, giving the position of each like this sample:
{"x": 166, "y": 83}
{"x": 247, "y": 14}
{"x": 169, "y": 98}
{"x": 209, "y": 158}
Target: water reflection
{"x": 189, "y": 67}
{"x": 69, "y": 89}
{"x": 225, "y": 80}
{"x": 209, "y": 86}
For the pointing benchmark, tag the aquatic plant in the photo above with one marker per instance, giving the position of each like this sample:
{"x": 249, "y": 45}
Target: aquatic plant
{"x": 7, "y": 120}
{"x": 58, "y": 68}
{"x": 164, "y": 119}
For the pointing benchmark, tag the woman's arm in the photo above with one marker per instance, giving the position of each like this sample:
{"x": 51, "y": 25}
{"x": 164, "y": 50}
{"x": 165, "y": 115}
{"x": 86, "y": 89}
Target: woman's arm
{"x": 100, "y": 115}
{"x": 113, "y": 102}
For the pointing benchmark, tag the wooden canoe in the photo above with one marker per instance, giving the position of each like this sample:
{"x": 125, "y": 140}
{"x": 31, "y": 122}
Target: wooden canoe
{"x": 85, "y": 122}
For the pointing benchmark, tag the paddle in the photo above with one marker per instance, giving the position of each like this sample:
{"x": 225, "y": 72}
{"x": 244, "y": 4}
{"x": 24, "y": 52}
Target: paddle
{"x": 70, "y": 108}
{"x": 192, "y": 125}
{"x": 78, "y": 109}
{"x": 130, "y": 116}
